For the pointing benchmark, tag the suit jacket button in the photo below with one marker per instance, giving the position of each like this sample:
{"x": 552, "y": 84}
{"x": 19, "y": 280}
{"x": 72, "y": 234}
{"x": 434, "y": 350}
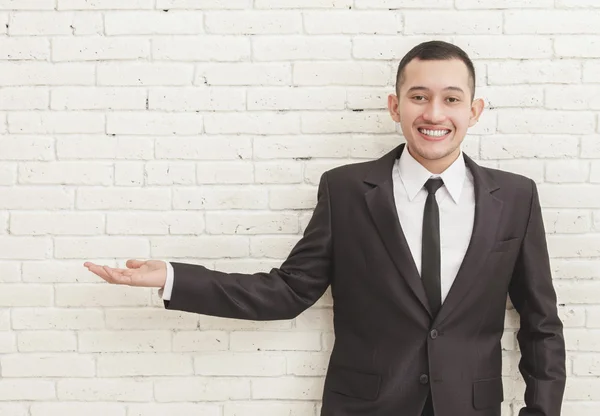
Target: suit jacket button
{"x": 433, "y": 334}
{"x": 424, "y": 379}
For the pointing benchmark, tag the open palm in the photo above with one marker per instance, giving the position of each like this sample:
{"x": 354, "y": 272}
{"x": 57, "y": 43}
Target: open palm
{"x": 150, "y": 273}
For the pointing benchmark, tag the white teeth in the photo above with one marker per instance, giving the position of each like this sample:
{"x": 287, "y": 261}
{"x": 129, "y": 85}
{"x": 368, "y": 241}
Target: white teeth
{"x": 434, "y": 133}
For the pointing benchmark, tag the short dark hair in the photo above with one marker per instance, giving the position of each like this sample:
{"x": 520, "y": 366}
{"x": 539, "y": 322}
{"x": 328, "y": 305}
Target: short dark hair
{"x": 436, "y": 50}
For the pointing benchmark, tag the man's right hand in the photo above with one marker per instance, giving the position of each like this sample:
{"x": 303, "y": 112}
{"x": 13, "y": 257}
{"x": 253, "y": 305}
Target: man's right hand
{"x": 151, "y": 273}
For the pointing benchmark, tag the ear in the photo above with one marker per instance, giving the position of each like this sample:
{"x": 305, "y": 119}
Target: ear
{"x": 476, "y": 110}
{"x": 393, "y": 107}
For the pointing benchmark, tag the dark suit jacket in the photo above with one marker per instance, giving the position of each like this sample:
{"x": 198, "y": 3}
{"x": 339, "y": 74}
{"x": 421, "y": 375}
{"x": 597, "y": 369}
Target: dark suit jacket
{"x": 389, "y": 350}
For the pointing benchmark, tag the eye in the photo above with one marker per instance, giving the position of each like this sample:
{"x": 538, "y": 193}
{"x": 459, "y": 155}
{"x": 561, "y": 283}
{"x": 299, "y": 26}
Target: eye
{"x": 418, "y": 97}
{"x": 453, "y": 99}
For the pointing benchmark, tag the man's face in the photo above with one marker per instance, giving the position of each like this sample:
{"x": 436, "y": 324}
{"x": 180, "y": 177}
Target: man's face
{"x": 434, "y": 108}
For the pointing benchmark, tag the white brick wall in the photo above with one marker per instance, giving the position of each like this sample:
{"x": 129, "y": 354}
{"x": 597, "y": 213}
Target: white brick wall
{"x": 197, "y": 130}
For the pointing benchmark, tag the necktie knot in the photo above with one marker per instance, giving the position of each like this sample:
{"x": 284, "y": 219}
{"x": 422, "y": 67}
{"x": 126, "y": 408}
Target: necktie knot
{"x": 432, "y": 185}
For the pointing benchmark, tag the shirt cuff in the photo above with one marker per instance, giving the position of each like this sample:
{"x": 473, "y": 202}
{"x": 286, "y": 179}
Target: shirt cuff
{"x": 165, "y": 292}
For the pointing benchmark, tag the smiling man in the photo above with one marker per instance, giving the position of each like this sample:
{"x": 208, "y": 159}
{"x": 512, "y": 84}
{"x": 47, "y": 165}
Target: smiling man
{"x": 421, "y": 248}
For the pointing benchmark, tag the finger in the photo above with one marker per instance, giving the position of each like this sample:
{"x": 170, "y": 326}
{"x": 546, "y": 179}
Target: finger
{"x": 135, "y": 264}
{"x": 116, "y": 276}
{"x": 98, "y": 270}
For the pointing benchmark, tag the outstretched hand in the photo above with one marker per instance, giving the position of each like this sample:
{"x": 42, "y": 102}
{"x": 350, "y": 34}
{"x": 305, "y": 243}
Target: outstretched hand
{"x": 151, "y": 273}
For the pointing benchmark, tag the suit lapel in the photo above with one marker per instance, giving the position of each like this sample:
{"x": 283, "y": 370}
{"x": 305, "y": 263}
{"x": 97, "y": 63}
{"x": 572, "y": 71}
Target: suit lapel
{"x": 381, "y": 205}
{"x": 488, "y": 209}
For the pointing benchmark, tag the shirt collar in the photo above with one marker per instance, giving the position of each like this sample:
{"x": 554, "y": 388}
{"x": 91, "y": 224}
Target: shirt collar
{"x": 414, "y": 175}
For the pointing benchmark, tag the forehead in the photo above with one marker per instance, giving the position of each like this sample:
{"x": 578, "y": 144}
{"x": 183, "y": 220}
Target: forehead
{"x": 436, "y": 75}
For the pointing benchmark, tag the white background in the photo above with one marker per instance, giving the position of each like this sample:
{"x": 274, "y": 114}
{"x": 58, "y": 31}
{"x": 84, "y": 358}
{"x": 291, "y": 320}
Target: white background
{"x": 197, "y": 131}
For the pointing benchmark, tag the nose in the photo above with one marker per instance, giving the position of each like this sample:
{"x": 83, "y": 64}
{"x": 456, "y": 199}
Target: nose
{"x": 434, "y": 113}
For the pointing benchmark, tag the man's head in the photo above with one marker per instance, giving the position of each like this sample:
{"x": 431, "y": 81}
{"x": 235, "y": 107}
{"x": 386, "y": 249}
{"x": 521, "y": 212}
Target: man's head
{"x": 434, "y": 102}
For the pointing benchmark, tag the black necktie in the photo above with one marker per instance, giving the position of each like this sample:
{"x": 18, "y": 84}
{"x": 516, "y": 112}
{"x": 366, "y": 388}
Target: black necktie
{"x": 430, "y": 256}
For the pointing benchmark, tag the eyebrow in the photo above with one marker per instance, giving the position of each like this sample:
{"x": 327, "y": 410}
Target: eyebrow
{"x": 421, "y": 88}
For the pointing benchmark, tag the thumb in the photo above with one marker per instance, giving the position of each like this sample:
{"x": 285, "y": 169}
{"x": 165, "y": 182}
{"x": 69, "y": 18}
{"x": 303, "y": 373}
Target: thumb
{"x": 134, "y": 264}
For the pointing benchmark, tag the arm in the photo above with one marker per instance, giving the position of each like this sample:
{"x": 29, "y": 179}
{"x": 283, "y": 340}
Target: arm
{"x": 540, "y": 336}
{"x": 283, "y": 293}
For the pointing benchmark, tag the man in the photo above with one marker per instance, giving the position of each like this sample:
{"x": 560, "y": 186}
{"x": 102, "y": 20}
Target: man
{"x": 421, "y": 248}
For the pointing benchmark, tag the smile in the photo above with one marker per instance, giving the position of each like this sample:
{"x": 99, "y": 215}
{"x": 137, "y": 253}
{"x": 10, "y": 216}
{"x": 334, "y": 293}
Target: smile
{"x": 433, "y": 134}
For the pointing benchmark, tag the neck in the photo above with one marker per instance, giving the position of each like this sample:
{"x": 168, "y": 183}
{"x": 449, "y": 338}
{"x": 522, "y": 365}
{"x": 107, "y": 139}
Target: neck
{"x": 436, "y": 166}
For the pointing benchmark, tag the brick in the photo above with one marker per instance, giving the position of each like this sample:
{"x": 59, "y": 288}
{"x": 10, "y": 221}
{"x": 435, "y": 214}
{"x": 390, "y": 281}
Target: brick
{"x": 204, "y": 48}
{"x": 569, "y": 196}
{"x": 567, "y": 221}
{"x": 274, "y": 341}
{"x": 572, "y": 316}
{"x": 240, "y": 364}
{"x": 53, "y": 24}
{"x": 166, "y": 173}
{"x": 27, "y": 5}
{"x": 595, "y": 172}
{"x": 522, "y": 146}
{"x": 88, "y": 409}
{"x": 586, "y": 245}
{"x": 385, "y": 47}
{"x": 27, "y": 389}
{"x": 545, "y": 121}
{"x": 280, "y": 172}
{"x": 566, "y": 171}
{"x": 180, "y": 389}
{"x": 5, "y": 322}
{"x": 292, "y": 48}
{"x": 57, "y": 318}
{"x": 99, "y": 49}
{"x": 137, "y": 74}
{"x": 506, "y": 47}
{"x": 47, "y": 365}
{"x": 593, "y": 314}
{"x": 253, "y": 22}
{"x": 66, "y": 173}
{"x": 582, "y": 388}
{"x": 573, "y": 97}
{"x": 580, "y": 408}
{"x": 174, "y": 409}
{"x": 243, "y": 73}
{"x": 24, "y": 98}
{"x": 296, "y": 98}
{"x": 372, "y": 146}
{"x": 220, "y": 197}
{"x": 576, "y": 3}
{"x": 536, "y": 72}
{"x": 347, "y": 122}
{"x": 302, "y": 4}
{"x": 129, "y": 174}
{"x": 266, "y": 408}
{"x": 121, "y": 390}
{"x": 352, "y": 22}
{"x": 149, "y": 318}
{"x": 455, "y": 22}
{"x": 197, "y": 99}
{"x": 315, "y": 319}
{"x": 208, "y": 247}
{"x": 252, "y": 123}
{"x": 367, "y": 99}
{"x": 86, "y": 247}
{"x": 200, "y": 341}
{"x": 80, "y": 295}
{"x": 124, "y": 341}
{"x": 23, "y": 49}
{"x": 204, "y": 148}
{"x": 551, "y": 22}
{"x": 403, "y": 4}
{"x": 575, "y": 268}
{"x": 54, "y": 271}
{"x": 577, "y": 46}
{"x": 144, "y": 364}
{"x": 7, "y": 344}
{"x": 70, "y": 223}
{"x": 153, "y": 23}
{"x": 14, "y": 248}
{"x": 590, "y": 146}
{"x": 277, "y": 247}
{"x": 51, "y": 122}
{"x": 8, "y": 176}
{"x": 512, "y": 96}
{"x": 586, "y": 365}
{"x": 78, "y": 98}
{"x": 10, "y": 409}
{"x": 359, "y": 73}
{"x": 288, "y": 388}
{"x": 578, "y": 292}
{"x": 46, "y": 341}
{"x": 45, "y": 73}
{"x": 224, "y": 172}
{"x": 591, "y": 71}
{"x": 504, "y": 4}
{"x": 155, "y": 123}
{"x": 104, "y": 4}
{"x": 307, "y": 363}
{"x": 533, "y": 169}
{"x": 10, "y": 272}
{"x": 150, "y": 223}
{"x": 292, "y": 198}
{"x": 123, "y": 198}
{"x": 251, "y": 223}
{"x": 23, "y": 148}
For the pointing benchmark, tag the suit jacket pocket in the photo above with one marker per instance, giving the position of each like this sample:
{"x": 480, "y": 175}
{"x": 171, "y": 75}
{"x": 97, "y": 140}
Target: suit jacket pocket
{"x": 353, "y": 383}
{"x": 506, "y": 245}
{"x": 487, "y": 393}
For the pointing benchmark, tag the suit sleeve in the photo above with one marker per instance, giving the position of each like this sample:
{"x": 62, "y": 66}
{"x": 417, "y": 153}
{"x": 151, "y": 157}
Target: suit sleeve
{"x": 540, "y": 335}
{"x": 282, "y": 293}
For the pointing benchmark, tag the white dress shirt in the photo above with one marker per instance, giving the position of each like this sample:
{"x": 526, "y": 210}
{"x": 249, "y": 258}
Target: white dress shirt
{"x": 456, "y": 201}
